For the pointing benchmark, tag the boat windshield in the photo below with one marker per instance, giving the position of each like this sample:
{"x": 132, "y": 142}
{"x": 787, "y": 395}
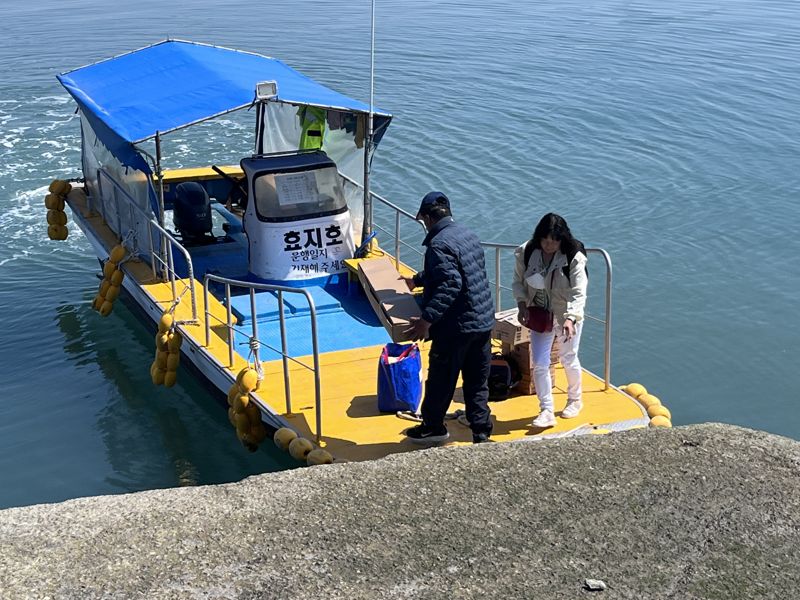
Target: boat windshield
{"x": 299, "y": 195}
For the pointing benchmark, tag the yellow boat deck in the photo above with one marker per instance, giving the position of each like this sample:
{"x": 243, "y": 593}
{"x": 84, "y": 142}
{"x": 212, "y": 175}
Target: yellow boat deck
{"x": 353, "y": 429}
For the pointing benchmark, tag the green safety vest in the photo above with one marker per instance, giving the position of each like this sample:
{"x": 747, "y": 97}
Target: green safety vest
{"x": 312, "y": 122}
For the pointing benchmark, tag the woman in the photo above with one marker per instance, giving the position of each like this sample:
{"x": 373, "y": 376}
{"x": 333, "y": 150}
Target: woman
{"x": 550, "y": 288}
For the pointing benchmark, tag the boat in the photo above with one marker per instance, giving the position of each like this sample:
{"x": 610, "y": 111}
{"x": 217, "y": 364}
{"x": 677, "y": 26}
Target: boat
{"x": 251, "y": 275}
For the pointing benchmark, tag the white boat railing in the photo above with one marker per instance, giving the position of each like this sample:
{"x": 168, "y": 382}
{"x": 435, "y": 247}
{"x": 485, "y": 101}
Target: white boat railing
{"x": 161, "y": 262}
{"x": 255, "y": 343}
{"x": 499, "y": 248}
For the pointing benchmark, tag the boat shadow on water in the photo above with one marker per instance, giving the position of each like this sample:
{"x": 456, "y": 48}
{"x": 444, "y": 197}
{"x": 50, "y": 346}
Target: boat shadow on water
{"x": 150, "y": 437}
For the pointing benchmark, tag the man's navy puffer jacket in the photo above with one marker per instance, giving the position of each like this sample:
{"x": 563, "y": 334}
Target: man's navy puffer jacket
{"x": 456, "y": 296}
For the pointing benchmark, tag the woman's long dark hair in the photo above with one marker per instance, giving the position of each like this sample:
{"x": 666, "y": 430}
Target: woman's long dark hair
{"x": 556, "y": 227}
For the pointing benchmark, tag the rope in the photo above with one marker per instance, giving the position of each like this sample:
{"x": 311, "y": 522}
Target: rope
{"x": 174, "y": 305}
{"x": 255, "y": 346}
{"x": 131, "y": 235}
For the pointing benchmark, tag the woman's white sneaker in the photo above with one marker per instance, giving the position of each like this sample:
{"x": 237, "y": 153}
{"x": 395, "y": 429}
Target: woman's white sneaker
{"x": 572, "y": 409}
{"x": 545, "y": 419}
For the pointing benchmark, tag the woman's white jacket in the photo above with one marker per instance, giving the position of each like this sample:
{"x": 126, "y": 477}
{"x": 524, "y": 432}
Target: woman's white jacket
{"x": 567, "y": 295}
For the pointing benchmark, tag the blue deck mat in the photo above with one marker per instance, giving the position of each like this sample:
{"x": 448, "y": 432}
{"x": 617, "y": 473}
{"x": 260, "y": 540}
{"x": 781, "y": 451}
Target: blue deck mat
{"x": 294, "y": 304}
{"x": 352, "y": 325}
{"x": 228, "y": 259}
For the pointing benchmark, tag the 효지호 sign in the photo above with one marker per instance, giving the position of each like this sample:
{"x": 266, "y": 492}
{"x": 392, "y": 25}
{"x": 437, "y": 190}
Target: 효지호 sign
{"x": 302, "y": 249}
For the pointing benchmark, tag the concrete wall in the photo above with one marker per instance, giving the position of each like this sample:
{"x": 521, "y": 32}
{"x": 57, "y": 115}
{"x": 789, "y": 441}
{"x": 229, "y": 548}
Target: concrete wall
{"x": 706, "y": 511}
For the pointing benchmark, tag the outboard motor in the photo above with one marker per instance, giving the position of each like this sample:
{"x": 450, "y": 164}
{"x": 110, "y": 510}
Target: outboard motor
{"x": 297, "y": 222}
{"x": 192, "y": 211}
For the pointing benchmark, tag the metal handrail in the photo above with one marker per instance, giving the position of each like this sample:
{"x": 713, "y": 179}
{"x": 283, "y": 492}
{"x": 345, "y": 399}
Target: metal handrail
{"x": 280, "y": 289}
{"x": 497, "y": 285}
{"x": 167, "y": 263}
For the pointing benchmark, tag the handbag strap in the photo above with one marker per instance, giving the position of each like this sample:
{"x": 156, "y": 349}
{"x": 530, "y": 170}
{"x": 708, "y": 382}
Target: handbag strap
{"x": 407, "y": 351}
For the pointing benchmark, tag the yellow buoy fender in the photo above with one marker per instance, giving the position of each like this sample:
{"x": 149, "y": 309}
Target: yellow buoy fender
{"x": 158, "y": 376}
{"x": 117, "y": 253}
{"x": 233, "y": 393}
{"x": 161, "y": 342}
{"x": 57, "y": 232}
{"x": 165, "y": 324}
{"x": 109, "y": 268}
{"x": 243, "y": 435}
{"x": 257, "y": 432}
{"x": 253, "y": 413}
{"x": 232, "y": 417}
{"x": 60, "y": 187}
{"x": 98, "y": 302}
{"x": 300, "y": 448}
{"x": 319, "y": 457}
{"x": 112, "y": 292}
{"x": 241, "y": 402}
{"x": 170, "y": 377}
{"x": 175, "y": 340}
{"x": 660, "y": 421}
{"x": 56, "y": 217}
{"x": 283, "y": 437}
{"x": 106, "y": 308}
{"x": 173, "y": 358}
{"x": 54, "y": 202}
{"x": 117, "y": 277}
{"x": 656, "y": 410}
{"x": 635, "y": 389}
{"x": 104, "y": 285}
{"x": 242, "y": 422}
{"x": 248, "y": 380}
{"x": 648, "y": 400}
{"x": 161, "y": 359}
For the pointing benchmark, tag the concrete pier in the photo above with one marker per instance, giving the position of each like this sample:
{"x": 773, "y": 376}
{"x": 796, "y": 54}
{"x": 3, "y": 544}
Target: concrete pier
{"x": 707, "y": 511}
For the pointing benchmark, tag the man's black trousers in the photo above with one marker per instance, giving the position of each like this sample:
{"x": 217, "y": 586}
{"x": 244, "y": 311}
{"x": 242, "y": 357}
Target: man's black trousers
{"x": 470, "y": 355}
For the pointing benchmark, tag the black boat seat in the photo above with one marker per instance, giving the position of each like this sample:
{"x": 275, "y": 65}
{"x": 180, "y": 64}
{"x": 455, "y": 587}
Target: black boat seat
{"x": 192, "y": 211}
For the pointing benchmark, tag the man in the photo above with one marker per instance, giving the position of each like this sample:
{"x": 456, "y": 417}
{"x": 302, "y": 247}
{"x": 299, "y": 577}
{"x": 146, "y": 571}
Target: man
{"x": 457, "y": 316}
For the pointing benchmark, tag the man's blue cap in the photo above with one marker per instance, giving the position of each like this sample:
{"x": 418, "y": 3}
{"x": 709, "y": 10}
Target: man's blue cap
{"x": 432, "y": 200}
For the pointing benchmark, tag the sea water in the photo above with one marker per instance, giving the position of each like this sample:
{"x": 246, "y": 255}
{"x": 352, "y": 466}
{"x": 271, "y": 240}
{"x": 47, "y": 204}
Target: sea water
{"x": 665, "y": 132}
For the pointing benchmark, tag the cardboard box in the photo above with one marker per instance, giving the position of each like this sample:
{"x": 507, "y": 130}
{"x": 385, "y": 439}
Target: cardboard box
{"x": 389, "y": 296}
{"x": 507, "y": 329}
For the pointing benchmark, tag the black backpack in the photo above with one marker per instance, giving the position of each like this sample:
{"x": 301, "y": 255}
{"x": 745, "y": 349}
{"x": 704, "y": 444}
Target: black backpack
{"x": 579, "y": 247}
{"x": 504, "y": 375}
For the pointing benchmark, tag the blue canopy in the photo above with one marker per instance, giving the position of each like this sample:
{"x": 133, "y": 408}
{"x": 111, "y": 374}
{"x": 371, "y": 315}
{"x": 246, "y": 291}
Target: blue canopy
{"x": 176, "y": 83}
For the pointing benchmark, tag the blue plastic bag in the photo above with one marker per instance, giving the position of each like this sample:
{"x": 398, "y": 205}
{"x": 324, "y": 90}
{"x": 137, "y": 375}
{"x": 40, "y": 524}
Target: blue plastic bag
{"x": 400, "y": 380}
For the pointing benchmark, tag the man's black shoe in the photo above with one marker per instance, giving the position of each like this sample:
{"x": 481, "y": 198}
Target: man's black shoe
{"x": 479, "y": 438}
{"x": 422, "y": 434}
